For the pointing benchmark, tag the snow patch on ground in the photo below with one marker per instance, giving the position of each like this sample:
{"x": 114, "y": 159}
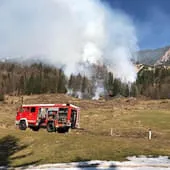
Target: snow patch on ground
{"x": 133, "y": 163}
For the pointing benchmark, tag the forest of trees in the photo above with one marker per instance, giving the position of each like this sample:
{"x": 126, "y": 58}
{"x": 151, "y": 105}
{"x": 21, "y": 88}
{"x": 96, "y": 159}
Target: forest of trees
{"x": 16, "y": 79}
{"x": 35, "y": 79}
{"x": 154, "y": 82}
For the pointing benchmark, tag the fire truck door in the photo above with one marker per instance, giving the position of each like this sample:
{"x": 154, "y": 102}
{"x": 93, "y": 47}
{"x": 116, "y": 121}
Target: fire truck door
{"x": 73, "y": 118}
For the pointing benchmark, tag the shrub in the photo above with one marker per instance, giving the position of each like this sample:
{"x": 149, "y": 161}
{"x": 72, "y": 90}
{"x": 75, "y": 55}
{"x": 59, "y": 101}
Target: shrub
{"x": 2, "y": 98}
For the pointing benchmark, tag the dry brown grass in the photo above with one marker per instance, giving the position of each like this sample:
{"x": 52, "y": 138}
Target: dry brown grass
{"x": 130, "y": 119}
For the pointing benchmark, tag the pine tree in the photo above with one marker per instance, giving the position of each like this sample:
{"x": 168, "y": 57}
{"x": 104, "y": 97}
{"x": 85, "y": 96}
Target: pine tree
{"x": 21, "y": 85}
{"x": 116, "y": 87}
{"x": 2, "y": 98}
{"x": 61, "y": 82}
{"x": 71, "y": 82}
{"x": 84, "y": 84}
{"x": 30, "y": 85}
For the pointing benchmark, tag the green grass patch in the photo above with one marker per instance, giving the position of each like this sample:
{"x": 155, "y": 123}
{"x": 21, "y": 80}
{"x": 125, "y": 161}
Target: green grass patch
{"x": 156, "y": 119}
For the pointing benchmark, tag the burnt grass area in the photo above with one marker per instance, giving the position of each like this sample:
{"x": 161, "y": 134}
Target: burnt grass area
{"x": 109, "y": 130}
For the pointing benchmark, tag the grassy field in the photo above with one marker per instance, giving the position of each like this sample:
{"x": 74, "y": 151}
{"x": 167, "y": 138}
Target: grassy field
{"x": 129, "y": 119}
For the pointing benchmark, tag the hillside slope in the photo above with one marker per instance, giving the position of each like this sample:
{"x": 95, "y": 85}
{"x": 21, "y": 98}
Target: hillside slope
{"x": 155, "y": 56}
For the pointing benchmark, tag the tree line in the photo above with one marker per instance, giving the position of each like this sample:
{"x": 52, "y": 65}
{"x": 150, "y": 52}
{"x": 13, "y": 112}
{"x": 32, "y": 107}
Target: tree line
{"x": 16, "y": 79}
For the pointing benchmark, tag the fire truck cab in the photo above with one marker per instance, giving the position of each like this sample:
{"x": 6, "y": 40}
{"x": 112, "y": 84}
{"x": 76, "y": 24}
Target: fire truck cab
{"x": 51, "y": 116}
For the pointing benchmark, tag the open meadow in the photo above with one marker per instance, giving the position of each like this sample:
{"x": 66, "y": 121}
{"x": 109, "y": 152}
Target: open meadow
{"x": 129, "y": 119}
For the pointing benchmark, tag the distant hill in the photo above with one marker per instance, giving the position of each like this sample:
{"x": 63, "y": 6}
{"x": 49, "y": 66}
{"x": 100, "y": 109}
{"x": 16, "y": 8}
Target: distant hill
{"x": 154, "y": 56}
{"x": 159, "y": 56}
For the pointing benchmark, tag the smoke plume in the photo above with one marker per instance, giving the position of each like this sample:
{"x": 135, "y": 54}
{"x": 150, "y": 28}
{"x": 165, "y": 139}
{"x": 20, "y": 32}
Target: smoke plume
{"x": 67, "y": 32}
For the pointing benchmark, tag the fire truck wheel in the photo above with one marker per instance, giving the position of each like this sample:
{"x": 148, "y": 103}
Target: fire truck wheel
{"x": 51, "y": 127}
{"x": 22, "y": 125}
{"x": 68, "y": 129}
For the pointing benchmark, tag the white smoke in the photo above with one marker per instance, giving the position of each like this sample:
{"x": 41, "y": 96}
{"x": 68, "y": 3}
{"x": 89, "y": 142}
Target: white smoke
{"x": 77, "y": 94}
{"x": 99, "y": 90}
{"x": 66, "y": 32}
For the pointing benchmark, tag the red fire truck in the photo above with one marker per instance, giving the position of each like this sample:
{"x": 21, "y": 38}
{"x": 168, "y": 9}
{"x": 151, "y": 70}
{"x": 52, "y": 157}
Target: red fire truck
{"x": 51, "y": 116}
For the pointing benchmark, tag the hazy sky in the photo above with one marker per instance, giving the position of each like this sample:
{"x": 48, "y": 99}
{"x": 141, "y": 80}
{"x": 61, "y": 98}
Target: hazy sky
{"x": 151, "y": 18}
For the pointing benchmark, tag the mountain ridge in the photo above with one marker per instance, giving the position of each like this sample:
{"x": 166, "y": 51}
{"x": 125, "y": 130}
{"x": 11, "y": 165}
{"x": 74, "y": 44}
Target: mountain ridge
{"x": 158, "y": 56}
{"x": 154, "y": 56}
